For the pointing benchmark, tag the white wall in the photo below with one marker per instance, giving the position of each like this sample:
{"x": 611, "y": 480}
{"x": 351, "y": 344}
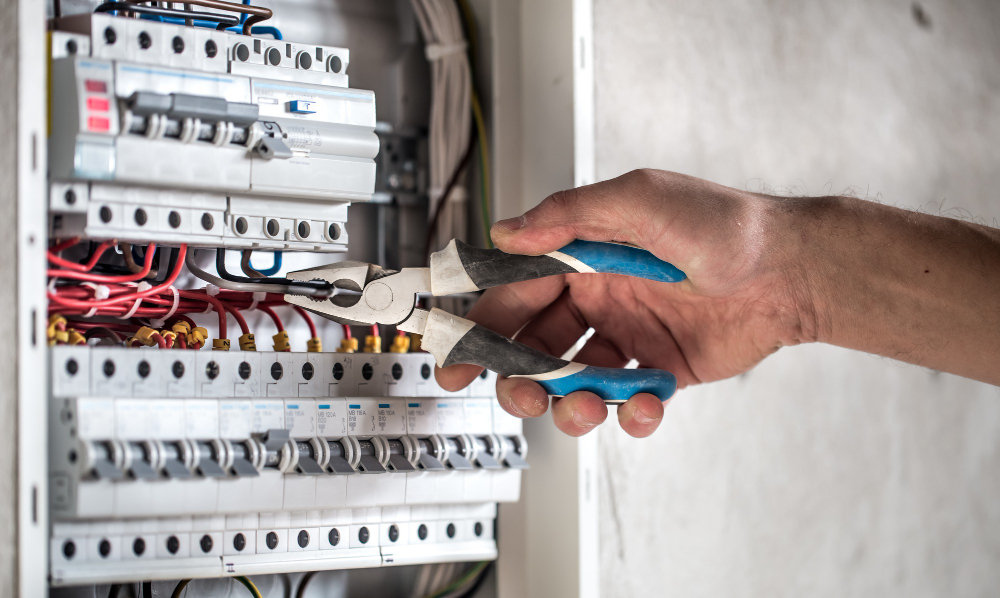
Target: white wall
{"x": 822, "y": 472}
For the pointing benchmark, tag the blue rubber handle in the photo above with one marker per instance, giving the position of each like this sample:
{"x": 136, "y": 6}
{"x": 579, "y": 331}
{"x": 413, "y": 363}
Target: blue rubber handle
{"x": 615, "y": 386}
{"x": 614, "y": 258}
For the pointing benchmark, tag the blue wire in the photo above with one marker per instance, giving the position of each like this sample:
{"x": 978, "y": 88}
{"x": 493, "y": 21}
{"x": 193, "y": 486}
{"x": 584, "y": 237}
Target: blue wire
{"x": 243, "y": 17}
{"x": 262, "y": 30}
{"x": 274, "y": 267}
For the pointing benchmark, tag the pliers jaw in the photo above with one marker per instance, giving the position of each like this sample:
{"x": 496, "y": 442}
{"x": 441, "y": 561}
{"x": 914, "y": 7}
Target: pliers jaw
{"x": 381, "y": 296}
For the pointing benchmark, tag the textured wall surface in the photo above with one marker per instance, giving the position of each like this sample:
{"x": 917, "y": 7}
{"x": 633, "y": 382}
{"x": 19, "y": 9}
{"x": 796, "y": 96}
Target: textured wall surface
{"x": 823, "y": 472}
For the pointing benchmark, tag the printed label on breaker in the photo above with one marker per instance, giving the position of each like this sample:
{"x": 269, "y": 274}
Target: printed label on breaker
{"x": 478, "y": 416}
{"x": 450, "y": 419}
{"x": 166, "y": 419}
{"x": 132, "y": 419}
{"x": 331, "y": 418}
{"x": 421, "y": 417}
{"x": 361, "y": 417}
{"x": 391, "y": 418}
{"x": 300, "y": 418}
{"x": 267, "y": 415}
{"x": 95, "y": 419}
{"x": 234, "y": 419}
{"x": 201, "y": 419}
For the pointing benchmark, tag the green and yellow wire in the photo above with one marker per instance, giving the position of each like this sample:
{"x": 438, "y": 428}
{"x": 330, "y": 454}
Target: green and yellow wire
{"x": 477, "y": 114}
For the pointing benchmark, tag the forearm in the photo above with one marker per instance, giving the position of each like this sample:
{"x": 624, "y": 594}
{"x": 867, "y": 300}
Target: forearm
{"x": 919, "y": 288}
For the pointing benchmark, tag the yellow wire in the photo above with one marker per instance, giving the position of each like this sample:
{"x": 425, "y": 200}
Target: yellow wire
{"x": 249, "y": 584}
{"x": 484, "y": 155}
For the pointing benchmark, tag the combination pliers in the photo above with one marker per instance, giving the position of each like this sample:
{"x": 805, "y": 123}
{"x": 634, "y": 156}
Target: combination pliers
{"x": 390, "y": 297}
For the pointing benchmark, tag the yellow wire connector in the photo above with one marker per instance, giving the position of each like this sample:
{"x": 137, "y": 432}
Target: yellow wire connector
{"x": 373, "y": 344}
{"x": 220, "y": 344}
{"x": 400, "y": 344}
{"x": 145, "y": 336}
{"x": 314, "y": 345}
{"x": 348, "y": 345}
{"x": 281, "y": 342}
{"x": 247, "y": 342}
{"x": 75, "y": 338}
{"x": 200, "y": 335}
{"x": 57, "y": 324}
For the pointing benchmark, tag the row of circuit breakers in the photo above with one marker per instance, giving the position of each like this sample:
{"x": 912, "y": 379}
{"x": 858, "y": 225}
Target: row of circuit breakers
{"x": 178, "y": 464}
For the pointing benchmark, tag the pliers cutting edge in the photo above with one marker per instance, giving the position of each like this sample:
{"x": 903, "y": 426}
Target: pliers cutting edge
{"x": 389, "y": 297}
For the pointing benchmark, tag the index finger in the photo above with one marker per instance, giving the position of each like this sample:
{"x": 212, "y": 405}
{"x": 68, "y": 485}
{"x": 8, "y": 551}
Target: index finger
{"x": 503, "y": 310}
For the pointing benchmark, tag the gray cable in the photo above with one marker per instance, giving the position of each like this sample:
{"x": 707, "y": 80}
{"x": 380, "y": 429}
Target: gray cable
{"x": 248, "y": 287}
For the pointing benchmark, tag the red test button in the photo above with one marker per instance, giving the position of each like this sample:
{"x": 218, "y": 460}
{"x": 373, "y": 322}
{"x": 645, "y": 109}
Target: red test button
{"x": 98, "y": 104}
{"x": 96, "y": 86}
{"x": 98, "y": 124}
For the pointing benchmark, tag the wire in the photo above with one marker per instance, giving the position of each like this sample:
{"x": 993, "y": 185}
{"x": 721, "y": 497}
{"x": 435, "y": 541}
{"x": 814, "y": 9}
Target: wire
{"x": 124, "y": 298}
{"x": 87, "y": 267}
{"x": 301, "y": 287}
{"x": 484, "y": 165}
{"x": 301, "y": 592}
{"x": 128, "y": 252}
{"x": 275, "y": 267}
{"x": 245, "y": 264}
{"x": 223, "y": 20}
{"x": 432, "y": 228}
{"x": 275, "y": 318}
{"x": 469, "y": 577}
{"x": 249, "y": 584}
{"x": 143, "y": 273}
{"x": 478, "y": 583}
{"x": 309, "y": 321}
{"x": 253, "y": 287}
{"x": 179, "y": 588}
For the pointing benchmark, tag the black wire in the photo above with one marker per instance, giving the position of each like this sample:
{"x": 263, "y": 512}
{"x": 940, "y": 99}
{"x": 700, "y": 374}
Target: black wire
{"x": 147, "y": 589}
{"x": 222, "y": 20}
{"x": 220, "y": 266}
{"x": 113, "y": 592}
{"x": 447, "y": 191}
{"x": 479, "y": 583}
{"x": 56, "y": 8}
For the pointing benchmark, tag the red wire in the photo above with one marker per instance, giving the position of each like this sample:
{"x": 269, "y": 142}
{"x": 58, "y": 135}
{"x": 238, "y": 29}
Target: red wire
{"x": 55, "y": 259}
{"x": 309, "y": 321}
{"x": 375, "y": 330}
{"x": 274, "y": 317}
{"x": 181, "y": 341}
{"x": 220, "y": 309}
{"x": 181, "y": 252}
{"x": 160, "y": 341}
{"x": 239, "y": 317}
{"x": 347, "y": 331}
{"x": 147, "y": 266}
{"x": 64, "y": 244}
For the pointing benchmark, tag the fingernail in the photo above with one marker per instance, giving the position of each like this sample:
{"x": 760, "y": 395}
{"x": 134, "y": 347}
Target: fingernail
{"x": 511, "y": 224}
{"x": 643, "y": 418}
{"x": 513, "y": 407}
{"x": 581, "y": 421}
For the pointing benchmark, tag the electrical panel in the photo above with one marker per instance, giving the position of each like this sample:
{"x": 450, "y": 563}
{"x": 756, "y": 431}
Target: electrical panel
{"x": 176, "y": 455}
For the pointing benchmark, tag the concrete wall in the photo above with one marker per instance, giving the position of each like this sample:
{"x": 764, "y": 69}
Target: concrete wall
{"x": 823, "y": 472}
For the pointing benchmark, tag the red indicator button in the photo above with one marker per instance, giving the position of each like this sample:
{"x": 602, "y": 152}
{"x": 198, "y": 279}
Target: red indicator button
{"x": 98, "y": 124}
{"x": 98, "y": 104}
{"x": 96, "y": 86}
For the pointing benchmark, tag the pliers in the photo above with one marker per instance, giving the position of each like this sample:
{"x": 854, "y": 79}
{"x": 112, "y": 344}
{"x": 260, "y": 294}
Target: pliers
{"x": 389, "y": 297}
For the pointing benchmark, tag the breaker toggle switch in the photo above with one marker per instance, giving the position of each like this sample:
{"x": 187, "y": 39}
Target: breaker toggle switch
{"x": 210, "y": 455}
{"x": 272, "y": 145}
{"x": 309, "y": 457}
{"x": 430, "y": 452}
{"x": 484, "y": 451}
{"x": 370, "y": 451}
{"x": 514, "y": 448}
{"x": 104, "y": 460}
{"x": 455, "y": 459}
{"x": 244, "y": 455}
{"x": 140, "y": 457}
{"x": 174, "y": 455}
{"x": 340, "y": 458}
{"x": 400, "y": 452}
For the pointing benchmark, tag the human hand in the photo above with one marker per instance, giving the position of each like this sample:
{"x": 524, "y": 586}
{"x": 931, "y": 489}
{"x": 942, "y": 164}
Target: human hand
{"x": 740, "y": 302}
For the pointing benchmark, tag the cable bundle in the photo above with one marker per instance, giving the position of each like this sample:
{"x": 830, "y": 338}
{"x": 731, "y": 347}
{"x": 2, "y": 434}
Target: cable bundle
{"x": 450, "y": 121}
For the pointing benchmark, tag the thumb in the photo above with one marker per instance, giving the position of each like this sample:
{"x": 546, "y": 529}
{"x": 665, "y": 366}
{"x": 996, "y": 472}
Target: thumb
{"x": 607, "y": 211}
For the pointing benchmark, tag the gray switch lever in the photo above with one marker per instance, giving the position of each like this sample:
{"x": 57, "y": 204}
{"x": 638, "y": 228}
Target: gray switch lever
{"x": 429, "y": 463}
{"x": 399, "y": 463}
{"x": 369, "y": 464}
{"x": 106, "y": 470}
{"x": 271, "y": 148}
{"x": 338, "y": 464}
{"x": 174, "y": 469}
{"x": 275, "y": 439}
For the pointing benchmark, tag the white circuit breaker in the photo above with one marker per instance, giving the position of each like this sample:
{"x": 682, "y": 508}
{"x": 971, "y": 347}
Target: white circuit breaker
{"x": 179, "y": 134}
